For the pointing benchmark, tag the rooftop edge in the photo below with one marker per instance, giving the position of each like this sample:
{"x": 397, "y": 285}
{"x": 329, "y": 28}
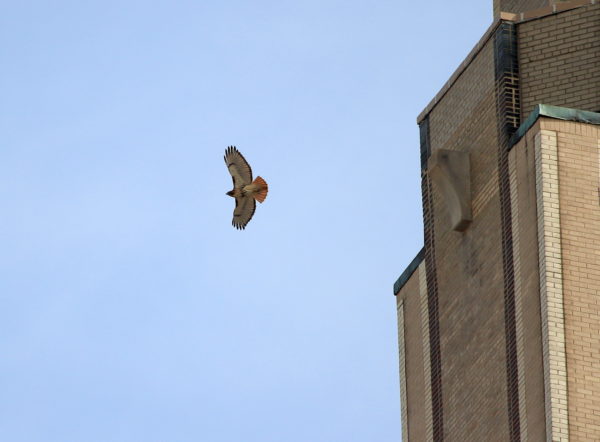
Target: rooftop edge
{"x": 504, "y": 16}
{"x": 407, "y": 273}
{"x": 557, "y": 112}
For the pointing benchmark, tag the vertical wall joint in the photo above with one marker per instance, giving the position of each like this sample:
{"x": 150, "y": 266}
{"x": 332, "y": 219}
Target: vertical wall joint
{"x": 508, "y": 119}
{"x": 403, "y": 386}
{"x": 435, "y": 360}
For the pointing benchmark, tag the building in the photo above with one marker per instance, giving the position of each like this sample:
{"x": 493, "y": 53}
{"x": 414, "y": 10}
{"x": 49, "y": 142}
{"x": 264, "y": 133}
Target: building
{"x": 499, "y": 313}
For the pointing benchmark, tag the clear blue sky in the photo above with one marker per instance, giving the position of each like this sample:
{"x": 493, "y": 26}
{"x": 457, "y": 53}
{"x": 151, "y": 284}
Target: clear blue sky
{"x": 130, "y": 309}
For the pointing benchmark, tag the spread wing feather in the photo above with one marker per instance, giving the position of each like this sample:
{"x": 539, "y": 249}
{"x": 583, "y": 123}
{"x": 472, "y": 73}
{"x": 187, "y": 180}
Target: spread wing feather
{"x": 243, "y": 212}
{"x": 240, "y": 170}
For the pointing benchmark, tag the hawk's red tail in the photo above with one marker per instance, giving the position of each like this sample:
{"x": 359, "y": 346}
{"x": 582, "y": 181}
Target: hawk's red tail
{"x": 262, "y": 191}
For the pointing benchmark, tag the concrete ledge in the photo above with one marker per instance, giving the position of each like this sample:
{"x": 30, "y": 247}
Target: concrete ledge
{"x": 407, "y": 273}
{"x": 557, "y": 112}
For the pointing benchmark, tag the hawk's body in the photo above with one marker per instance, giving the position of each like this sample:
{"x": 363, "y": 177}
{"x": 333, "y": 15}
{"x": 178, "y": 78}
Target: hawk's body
{"x": 245, "y": 190}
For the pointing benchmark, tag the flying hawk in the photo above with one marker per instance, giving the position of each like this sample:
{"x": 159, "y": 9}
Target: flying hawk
{"x": 245, "y": 191}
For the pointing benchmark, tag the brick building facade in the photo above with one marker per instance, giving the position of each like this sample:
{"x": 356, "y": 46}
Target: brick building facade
{"x": 499, "y": 314}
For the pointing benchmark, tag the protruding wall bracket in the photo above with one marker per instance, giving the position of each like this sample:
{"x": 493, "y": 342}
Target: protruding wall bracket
{"x": 450, "y": 171}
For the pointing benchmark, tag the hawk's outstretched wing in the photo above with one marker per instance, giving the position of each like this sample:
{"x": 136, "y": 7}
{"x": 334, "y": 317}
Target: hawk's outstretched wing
{"x": 238, "y": 168}
{"x": 244, "y": 209}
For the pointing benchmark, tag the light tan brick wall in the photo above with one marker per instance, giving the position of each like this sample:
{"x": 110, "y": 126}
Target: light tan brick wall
{"x": 579, "y": 186}
{"x": 551, "y": 286}
{"x": 529, "y": 337}
{"x": 559, "y": 60}
{"x": 414, "y": 347}
{"x": 469, "y": 264}
{"x": 560, "y": 65}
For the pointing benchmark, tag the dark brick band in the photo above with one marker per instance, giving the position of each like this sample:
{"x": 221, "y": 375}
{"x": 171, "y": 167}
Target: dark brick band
{"x": 425, "y": 146}
{"x": 437, "y": 410}
{"x": 508, "y": 116}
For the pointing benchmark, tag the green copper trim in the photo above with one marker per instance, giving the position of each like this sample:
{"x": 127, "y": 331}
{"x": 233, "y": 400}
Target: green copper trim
{"x": 560, "y": 113}
{"x": 406, "y": 274}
